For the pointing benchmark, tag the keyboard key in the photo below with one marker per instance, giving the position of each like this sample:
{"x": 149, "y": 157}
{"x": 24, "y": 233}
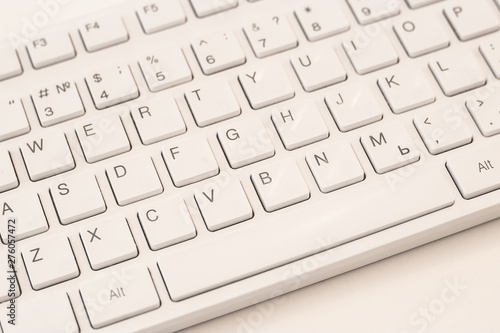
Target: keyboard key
{"x": 108, "y": 242}
{"x": 218, "y": 51}
{"x": 421, "y": 34}
{"x": 47, "y": 155}
{"x": 353, "y": 106}
{"x": 222, "y": 206}
{"x": 270, "y": 35}
{"x": 299, "y": 124}
{"x": 103, "y": 32}
{"x": 157, "y": 119}
{"x": 13, "y": 121}
{"x": 486, "y": 114}
{"x": 491, "y": 53}
{"x": 45, "y": 314}
{"x": 50, "y": 48}
{"x": 111, "y": 85}
{"x": 369, "y": 11}
{"x": 335, "y": 166}
{"x": 266, "y": 85}
{"x": 160, "y": 15}
{"x": 49, "y": 261}
{"x": 190, "y": 161}
{"x": 377, "y": 54}
{"x": 57, "y": 102}
{"x": 279, "y": 185}
{"x": 212, "y": 101}
{"x": 246, "y": 142}
{"x": 130, "y": 296}
{"x": 318, "y": 68}
{"x": 275, "y": 241}
{"x": 476, "y": 172}
{"x": 457, "y": 72}
{"x": 390, "y": 148}
{"x": 471, "y": 19}
{"x": 10, "y": 65}
{"x": 204, "y": 8}
{"x": 165, "y": 68}
{"x": 440, "y": 132}
{"x": 166, "y": 223}
{"x": 8, "y": 177}
{"x": 406, "y": 89}
{"x": 320, "y": 19}
{"x": 134, "y": 179}
{"x": 77, "y": 197}
{"x": 414, "y": 4}
{"x": 26, "y": 208}
{"x": 102, "y": 137}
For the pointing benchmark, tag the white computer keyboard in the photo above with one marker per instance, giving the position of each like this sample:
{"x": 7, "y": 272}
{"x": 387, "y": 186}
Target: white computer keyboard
{"x": 170, "y": 161}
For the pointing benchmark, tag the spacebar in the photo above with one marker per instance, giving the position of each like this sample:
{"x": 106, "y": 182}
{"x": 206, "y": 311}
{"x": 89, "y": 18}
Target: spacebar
{"x": 231, "y": 255}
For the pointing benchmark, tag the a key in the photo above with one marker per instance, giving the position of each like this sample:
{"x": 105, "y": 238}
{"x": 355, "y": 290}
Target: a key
{"x": 486, "y": 113}
{"x": 77, "y": 197}
{"x": 47, "y": 155}
{"x": 103, "y": 32}
{"x": 166, "y": 222}
{"x": 49, "y": 261}
{"x": 165, "y": 68}
{"x": 318, "y": 68}
{"x": 190, "y": 160}
{"x": 414, "y": 4}
{"x": 457, "y": 73}
{"x": 491, "y": 53}
{"x": 102, "y": 137}
{"x": 44, "y": 314}
{"x": 134, "y": 179}
{"x": 421, "y": 34}
{"x": 372, "y": 56}
{"x": 157, "y": 15}
{"x": 270, "y": 35}
{"x": 111, "y": 85}
{"x": 212, "y": 101}
{"x": 477, "y": 172}
{"x": 266, "y": 85}
{"x": 57, "y": 102}
{"x": 8, "y": 177}
{"x": 320, "y": 19}
{"x": 131, "y": 294}
{"x": 223, "y": 202}
{"x": 280, "y": 184}
{"x": 442, "y": 130}
{"x": 157, "y": 119}
{"x": 406, "y": 89}
{"x": 471, "y": 19}
{"x": 390, "y": 148}
{"x": 335, "y": 166}
{"x": 9, "y": 284}
{"x": 108, "y": 242}
{"x": 13, "y": 121}
{"x": 369, "y": 11}
{"x": 50, "y": 48}
{"x": 204, "y": 8}
{"x": 353, "y": 106}
{"x": 245, "y": 142}
{"x": 218, "y": 51}
{"x": 26, "y": 209}
{"x": 299, "y": 124}
{"x": 10, "y": 65}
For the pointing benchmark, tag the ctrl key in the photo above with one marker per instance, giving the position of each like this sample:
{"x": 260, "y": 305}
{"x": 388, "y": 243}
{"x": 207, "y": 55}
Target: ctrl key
{"x": 119, "y": 295}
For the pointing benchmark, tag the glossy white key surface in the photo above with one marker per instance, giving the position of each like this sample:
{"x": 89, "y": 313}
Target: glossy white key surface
{"x": 166, "y": 222}
{"x": 108, "y": 242}
{"x": 204, "y": 8}
{"x": 485, "y": 113}
{"x": 320, "y": 19}
{"x": 46, "y": 155}
{"x": 49, "y": 261}
{"x": 159, "y": 15}
{"x": 50, "y": 48}
{"x": 133, "y": 179}
{"x": 131, "y": 295}
{"x": 369, "y": 11}
{"x": 77, "y": 197}
{"x": 10, "y": 65}
{"x": 8, "y": 178}
{"x": 13, "y": 121}
{"x": 103, "y": 32}
{"x": 491, "y": 53}
{"x": 471, "y": 19}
